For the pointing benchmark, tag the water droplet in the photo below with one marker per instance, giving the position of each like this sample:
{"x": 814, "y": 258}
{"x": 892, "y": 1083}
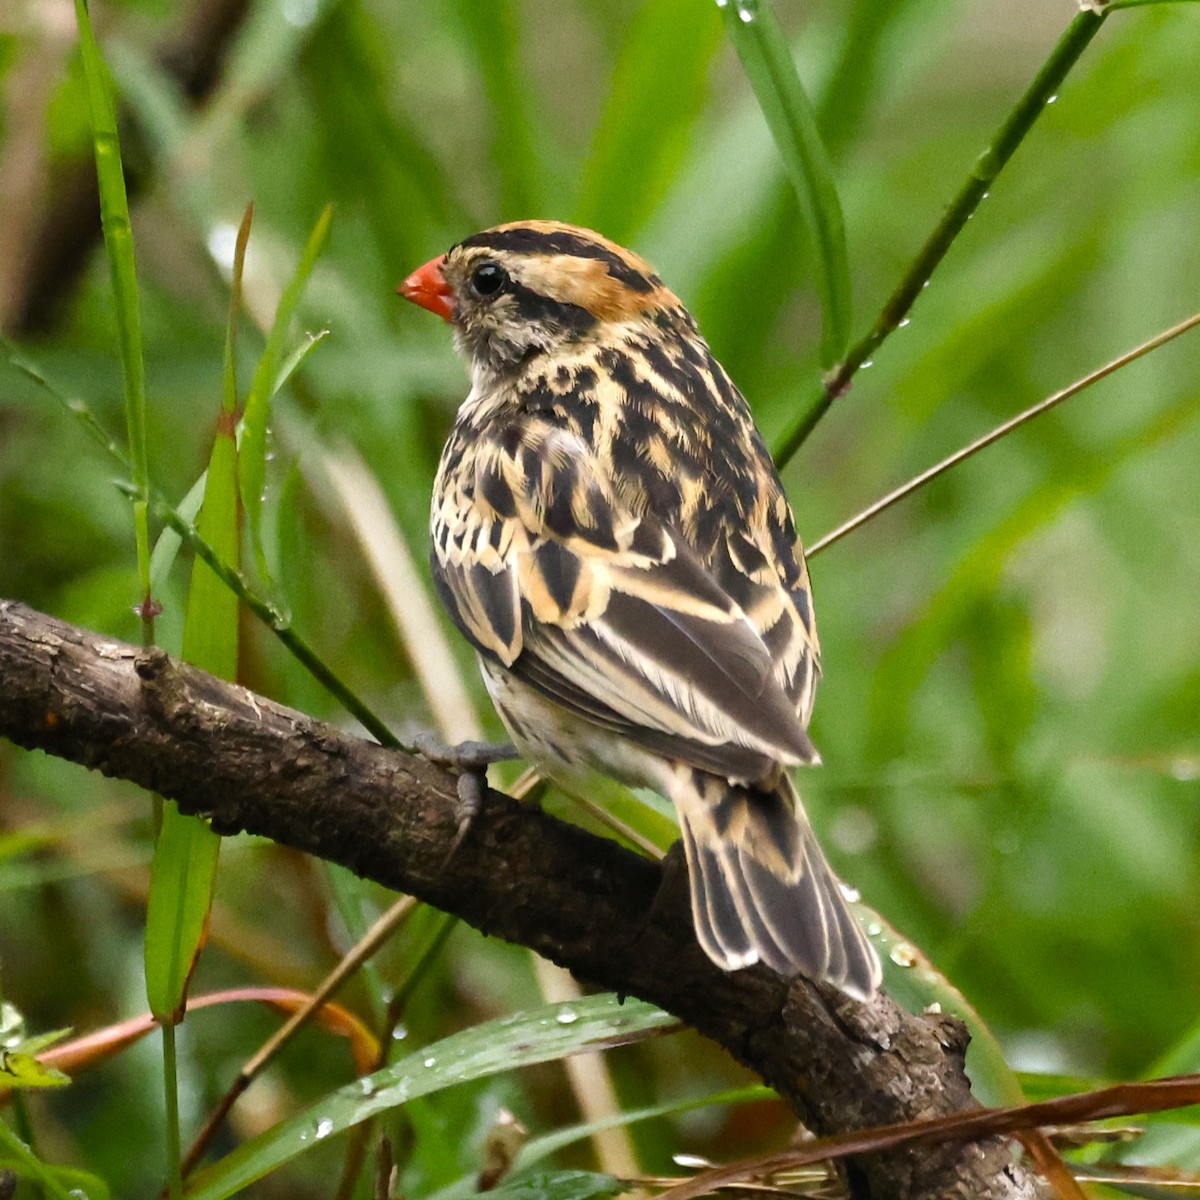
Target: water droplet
{"x": 933, "y": 1010}
{"x": 722, "y": 3}
{"x": 1052, "y": 99}
{"x": 904, "y": 322}
{"x": 567, "y": 1016}
{"x": 903, "y": 955}
{"x": 299, "y": 12}
{"x": 12, "y": 1027}
{"x": 869, "y": 363}
{"x": 925, "y": 284}
{"x": 691, "y": 1160}
{"x": 854, "y": 830}
{"x": 851, "y": 894}
{"x": 78, "y": 1194}
{"x": 324, "y": 1128}
{"x": 431, "y": 1061}
{"x": 985, "y": 195}
{"x": 747, "y": 11}
{"x": 399, "y": 1033}
{"x": 367, "y": 1086}
{"x": 874, "y": 929}
{"x": 1006, "y": 841}
{"x": 1185, "y": 769}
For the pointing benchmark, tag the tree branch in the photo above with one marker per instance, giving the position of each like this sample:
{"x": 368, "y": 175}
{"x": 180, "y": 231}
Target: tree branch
{"x": 578, "y": 899}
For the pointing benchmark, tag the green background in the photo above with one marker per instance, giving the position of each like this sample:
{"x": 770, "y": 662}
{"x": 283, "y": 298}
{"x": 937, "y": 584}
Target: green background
{"x": 1011, "y": 697}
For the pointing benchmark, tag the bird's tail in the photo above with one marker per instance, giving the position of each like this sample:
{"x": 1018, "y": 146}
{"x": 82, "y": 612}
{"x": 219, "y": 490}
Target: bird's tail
{"x": 761, "y": 888}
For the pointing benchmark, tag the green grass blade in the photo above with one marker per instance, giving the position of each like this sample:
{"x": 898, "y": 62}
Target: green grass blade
{"x": 492, "y": 35}
{"x": 904, "y": 667}
{"x": 233, "y": 579}
{"x": 767, "y": 60}
{"x": 295, "y": 360}
{"x": 181, "y": 883}
{"x": 229, "y": 400}
{"x": 559, "y": 1185}
{"x": 185, "y": 859}
{"x": 166, "y": 548}
{"x": 354, "y": 902}
{"x": 183, "y": 875}
{"x": 543, "y": 1035}
{"x": 252, "y": 459}
{"x": 16, "y": 1154}
{"x": 375, "y": 154}
{"x": 74, "y": 407}
{"x": 184, "y": 872}
{"x": 654, "y": 99}
{"x": 118, "y": 241}
{"x": 984, "y": 171}
{"x": 279, "y": 624}
{"x": 20, "y": 1069}
{"x": 1179, "y": 1143}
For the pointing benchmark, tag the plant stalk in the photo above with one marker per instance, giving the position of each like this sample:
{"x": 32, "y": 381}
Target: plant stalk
{"x": 1040, "y": 93}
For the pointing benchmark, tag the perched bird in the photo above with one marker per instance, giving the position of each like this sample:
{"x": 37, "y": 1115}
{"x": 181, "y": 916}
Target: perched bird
{"x": 611, "y": 535}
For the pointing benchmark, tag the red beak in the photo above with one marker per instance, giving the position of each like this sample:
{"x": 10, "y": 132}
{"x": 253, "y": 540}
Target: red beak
{"x": 427, "y": 287}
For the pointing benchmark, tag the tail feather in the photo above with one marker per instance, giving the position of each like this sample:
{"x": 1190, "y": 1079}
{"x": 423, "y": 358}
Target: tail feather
{"x": 719, "y": 926}
{"x": 762, "y": 890}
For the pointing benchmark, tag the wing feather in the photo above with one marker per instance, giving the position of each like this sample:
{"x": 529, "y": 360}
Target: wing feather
{"x": 608, "y": 611}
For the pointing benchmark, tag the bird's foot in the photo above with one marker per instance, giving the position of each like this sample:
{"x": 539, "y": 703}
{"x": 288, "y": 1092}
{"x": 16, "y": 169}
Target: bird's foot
{"x": 471, "y": 760}
{"x": 466, "y": 756}
{"x": 472, "y": 788}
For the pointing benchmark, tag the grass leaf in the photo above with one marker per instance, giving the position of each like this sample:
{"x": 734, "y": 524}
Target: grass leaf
{"x": 185, "y": 856}
{"x": 56, "y": 1182}
{"x": 767, "y": 60}
{"x": 118, "y": 241}
{"x": 658, "y": 85}
{"x": 493, "y": 36}
{"x": 559, "y": 1185}
{"x": 543, "y": 1035}
{"x": 252, "y": 460}
{"x": 166, "y": 546}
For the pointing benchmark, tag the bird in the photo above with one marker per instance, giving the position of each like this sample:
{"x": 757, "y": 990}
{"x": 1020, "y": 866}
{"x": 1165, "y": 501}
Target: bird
{"x": 609, "y": 532}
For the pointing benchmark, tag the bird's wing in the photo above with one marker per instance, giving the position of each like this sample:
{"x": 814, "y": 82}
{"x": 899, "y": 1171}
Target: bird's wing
{"x": 606, "y": 611}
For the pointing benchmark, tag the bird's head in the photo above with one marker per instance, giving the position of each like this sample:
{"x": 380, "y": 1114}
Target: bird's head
{"x": 532, "y": 287}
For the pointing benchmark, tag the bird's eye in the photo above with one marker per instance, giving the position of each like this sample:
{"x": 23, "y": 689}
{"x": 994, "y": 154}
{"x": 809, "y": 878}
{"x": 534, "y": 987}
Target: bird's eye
{"x": 489, "y": 278}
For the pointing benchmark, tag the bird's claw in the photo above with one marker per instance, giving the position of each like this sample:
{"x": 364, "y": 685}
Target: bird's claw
{"x": 466, "y": 756}
{"x": 471, "y": 760}
{"x": 472, "y": 787}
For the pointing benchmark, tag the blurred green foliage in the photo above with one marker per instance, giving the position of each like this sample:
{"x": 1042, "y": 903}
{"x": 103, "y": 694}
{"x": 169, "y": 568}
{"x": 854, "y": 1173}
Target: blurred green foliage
{"x": 1012, "y": 658}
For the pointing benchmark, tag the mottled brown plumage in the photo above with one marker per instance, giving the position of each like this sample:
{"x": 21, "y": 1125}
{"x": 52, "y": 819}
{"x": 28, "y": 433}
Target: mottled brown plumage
{"x": 611, "y": 535}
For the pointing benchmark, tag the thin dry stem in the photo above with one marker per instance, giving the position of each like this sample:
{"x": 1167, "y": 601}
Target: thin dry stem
{"x": 1002, "y": 430}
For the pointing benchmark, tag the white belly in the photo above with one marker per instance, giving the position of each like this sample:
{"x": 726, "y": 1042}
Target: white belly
{"x": 565, "y": 746}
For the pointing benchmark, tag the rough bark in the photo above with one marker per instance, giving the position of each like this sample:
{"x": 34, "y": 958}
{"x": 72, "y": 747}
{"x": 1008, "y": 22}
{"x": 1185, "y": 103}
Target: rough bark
{"x": 580, "y": 900}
